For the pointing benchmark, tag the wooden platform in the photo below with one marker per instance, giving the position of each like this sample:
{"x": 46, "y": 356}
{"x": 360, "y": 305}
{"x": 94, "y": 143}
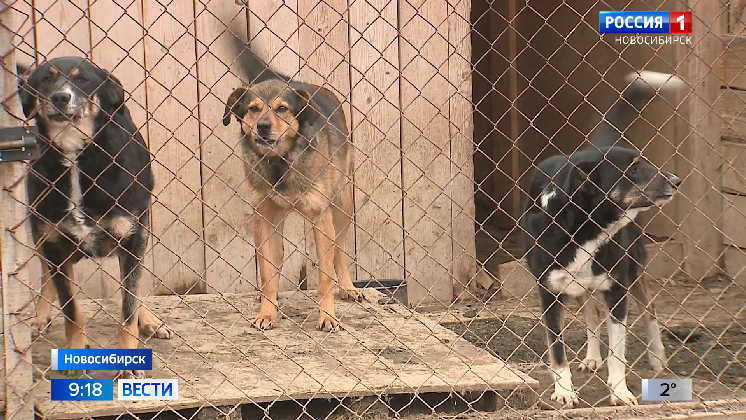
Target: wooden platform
{"x": 385, "y": 349}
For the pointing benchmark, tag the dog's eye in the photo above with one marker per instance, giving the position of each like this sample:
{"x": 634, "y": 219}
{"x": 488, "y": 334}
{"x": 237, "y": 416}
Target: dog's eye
{"x": 254, "y": 108}
{"x": 81, "y": 79}
{"x": 633, "y": 169}
{"x": 47, "y": 79}
{"x": 282, "y": 108}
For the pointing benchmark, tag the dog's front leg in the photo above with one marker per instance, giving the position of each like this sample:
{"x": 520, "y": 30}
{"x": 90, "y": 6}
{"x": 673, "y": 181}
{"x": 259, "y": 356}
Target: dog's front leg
{"x": 593, "y": 320}
{"x": 62, "y": 275}
{"x": 43, "y": 316}
{"x": 130, "y": 267}
{"x": 551, "y": 307}
{"x": 656, "y": 350}
{"x": 617, "y": 325}
{"x": 324, "y": 235}
{"x": 268, "y": 227}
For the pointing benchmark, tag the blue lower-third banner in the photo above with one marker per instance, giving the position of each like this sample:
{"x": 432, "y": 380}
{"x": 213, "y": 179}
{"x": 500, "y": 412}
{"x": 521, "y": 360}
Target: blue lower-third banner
{"x": 102, "y": 359}
{"x": 82, "y": 389}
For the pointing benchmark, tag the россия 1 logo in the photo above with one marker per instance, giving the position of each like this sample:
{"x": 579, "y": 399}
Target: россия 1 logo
{"x": 645, "y": 22}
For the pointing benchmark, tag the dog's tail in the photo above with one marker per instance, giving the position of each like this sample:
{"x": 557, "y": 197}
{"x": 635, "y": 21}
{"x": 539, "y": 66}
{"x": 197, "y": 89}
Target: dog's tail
{"x": 642, "y": 88}
{"x": 253, "y": 67}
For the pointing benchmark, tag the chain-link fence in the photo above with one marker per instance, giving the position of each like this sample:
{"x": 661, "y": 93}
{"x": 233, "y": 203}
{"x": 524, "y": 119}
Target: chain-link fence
{"x": 450, "y": 107}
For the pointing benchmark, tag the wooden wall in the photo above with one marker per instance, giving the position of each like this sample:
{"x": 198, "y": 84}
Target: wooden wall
{"x": 733, "y": 142}
{"x": 564, "y": 76}
{"x": 402, "y": 69}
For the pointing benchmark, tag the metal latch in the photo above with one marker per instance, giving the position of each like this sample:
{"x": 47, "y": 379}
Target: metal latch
{"x": 19, "y": 143}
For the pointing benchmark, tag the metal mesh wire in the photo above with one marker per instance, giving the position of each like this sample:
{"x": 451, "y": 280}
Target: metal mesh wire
{"x": 450, "y": 106}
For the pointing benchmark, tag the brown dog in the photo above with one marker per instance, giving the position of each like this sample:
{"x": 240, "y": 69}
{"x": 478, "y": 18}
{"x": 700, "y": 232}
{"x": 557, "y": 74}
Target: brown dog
{"x": 297, "y": 158}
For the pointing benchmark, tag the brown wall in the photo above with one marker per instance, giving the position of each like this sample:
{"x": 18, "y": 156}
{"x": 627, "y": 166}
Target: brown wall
{"x": 567, "y": 74}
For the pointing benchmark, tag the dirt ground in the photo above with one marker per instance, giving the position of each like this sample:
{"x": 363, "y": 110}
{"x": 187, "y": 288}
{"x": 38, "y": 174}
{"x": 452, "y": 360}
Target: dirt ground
{"x": 703, "y": 329}
{"x": 704, "y": 332}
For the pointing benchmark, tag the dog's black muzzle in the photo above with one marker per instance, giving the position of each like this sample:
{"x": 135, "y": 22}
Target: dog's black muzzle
{"x": 662, "y": 189}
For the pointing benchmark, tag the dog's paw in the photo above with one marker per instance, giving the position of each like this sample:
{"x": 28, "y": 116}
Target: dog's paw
{"x": 590, "y": 364}
{"x": 566, "y": 397}
{"x": 328, "y": 323}
{"x": 623, "y": 397}
{"x": 157, "y": 331}
{"x": 131, "y": 374}
{"x": 351, "y": 294}
{"x": 264, "y": 321}
{"x": 39, "y": 324}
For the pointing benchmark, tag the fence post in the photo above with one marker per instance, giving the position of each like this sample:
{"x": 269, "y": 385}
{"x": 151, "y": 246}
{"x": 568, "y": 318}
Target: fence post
{"x": 701, "y": 231}
{"x": 16, "y": 294}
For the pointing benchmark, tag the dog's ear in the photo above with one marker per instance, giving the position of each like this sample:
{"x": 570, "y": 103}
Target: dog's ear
{"x": 28, "y": 99}
{"x": 111, "y": 91}
{"x": 232, "y": 106}
{"x": 582, "y": 177}
{"x": 22, "y": 70}
{"x": 307, "y": 111}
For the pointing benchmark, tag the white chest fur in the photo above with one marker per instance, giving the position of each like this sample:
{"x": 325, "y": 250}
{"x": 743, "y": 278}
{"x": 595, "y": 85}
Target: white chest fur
{"x": 78, "y": 227}
{"x": 71, "y": 137}
{"x": 577, "y": 278}
{"x": 71, "y": 140}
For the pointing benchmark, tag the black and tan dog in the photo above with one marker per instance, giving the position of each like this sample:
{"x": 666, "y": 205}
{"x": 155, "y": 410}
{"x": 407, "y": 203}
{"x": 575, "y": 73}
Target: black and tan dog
{"x": 89, "y": 191}
{"x": 298, "y": 157}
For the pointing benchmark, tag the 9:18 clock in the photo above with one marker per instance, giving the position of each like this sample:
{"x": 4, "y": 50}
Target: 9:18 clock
{"x": 82, "y": 389}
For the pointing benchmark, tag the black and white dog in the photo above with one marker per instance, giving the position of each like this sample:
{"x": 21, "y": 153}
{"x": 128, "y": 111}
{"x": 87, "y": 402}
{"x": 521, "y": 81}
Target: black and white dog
{"x": 583, "y": 242}
{"x": 89, "y": 191}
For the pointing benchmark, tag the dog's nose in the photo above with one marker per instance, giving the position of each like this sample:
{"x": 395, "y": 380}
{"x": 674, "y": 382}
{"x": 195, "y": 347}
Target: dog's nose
{"x": 673, "y": 179}
{"x": 60, "y": 99}
{"x": 264, "y": 126}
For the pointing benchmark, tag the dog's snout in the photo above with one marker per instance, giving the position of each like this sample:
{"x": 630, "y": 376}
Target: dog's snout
{"x": 674, "y": 180}
{"x": 264, "y": 126}
{"x": 61, "y": 99}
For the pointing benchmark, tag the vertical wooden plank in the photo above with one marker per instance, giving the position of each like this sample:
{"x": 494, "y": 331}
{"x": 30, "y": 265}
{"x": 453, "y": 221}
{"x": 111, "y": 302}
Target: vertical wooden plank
{"x": 425, "y": 145}
{"x": 736, "y": 18}
{"x": 505, "y": 150}
{"x": 494, "y": 169}
{"x": 170, "y": 59}
{"x": 118, "y": 45}
{"x": 229, "y": 251}
{"x": 324, "y": 48}
{"x": 24, "y": 39}
{"x": 17, "y": 371}
{"x": 273, "y": 26}
{"x": 484, "y": 127}
{"x": 376, "y": 127}
{"x": 702, "y": 203}
{"x": 63, "y": 28}
{"x": 517, "y": 167}
{"x": 464, "y": 267}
